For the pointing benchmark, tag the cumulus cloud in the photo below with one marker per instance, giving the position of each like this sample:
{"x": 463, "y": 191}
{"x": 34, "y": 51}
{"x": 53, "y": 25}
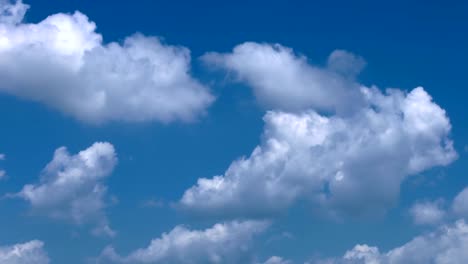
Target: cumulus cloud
{"x": 284, "y": 80}
{"x": 446, "y": 245}
{"x": 62, "y": 62}
{"x": 428, "y": 212}
{"x": 350, "y": 165}
{"x": 27, "y": 253}
{"x": 223, "y": 243}
{"x": 71, "y": 186}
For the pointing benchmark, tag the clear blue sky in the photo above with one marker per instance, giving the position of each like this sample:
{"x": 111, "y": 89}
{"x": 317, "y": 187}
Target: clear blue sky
{"x": 405, "y": 44}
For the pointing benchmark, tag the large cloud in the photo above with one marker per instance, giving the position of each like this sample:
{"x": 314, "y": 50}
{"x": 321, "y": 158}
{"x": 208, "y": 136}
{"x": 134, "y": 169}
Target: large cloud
{"x": 71, "y": 186}
{"x": 447, "y": 245}
{"x": 62, "y": 62}
{"x": 27, "y": 253}
{"x": 352, "y": 164}
{"x": 283, "y": 80}
{"x": 223, "y": 243}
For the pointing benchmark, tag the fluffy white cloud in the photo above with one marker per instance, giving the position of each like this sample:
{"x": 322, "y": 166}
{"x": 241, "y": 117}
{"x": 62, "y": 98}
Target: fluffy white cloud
{"x": 27, "y": 253}
{"x": 284, "y": 80}
{"x": 447, "y": 245}
{"x": 63, "y": 63}
{"x": 223, "y": 243}
{"x": 71, "y": 186}
{"x": 352, "y": 165}
{"x": 428, "y": 212}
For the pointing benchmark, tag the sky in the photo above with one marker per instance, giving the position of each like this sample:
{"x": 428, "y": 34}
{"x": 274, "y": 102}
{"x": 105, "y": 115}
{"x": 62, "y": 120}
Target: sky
{"x": 273, "y": 132}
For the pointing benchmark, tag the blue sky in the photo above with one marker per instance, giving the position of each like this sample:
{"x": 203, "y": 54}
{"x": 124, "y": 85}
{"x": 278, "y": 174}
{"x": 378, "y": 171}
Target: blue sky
{"x": 287, "y": 104}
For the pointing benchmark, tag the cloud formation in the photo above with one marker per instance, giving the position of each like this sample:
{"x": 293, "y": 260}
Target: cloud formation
{"x": 447, "y": 245}
{"x": 286, "y": 81}
{"x": 63, "y": 63}
{"x": 27, "y": 253}
{"x": 223, "y": 243}
{"x": 428, "y": 212}
{"x": 438, "y": 211}
{"x": 71, "y": 186}
{"x": 350, "y": 165}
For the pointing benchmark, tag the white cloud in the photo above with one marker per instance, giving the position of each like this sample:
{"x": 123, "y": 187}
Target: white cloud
{"x": 428, "y": 212}
{"x": 284, "y": 80}
{"x": 277, "y": 260}
{"x": 447, "y": 245}
{"x": 434, "y": 212}
{"x": 27, "y": 253}
{"x": 352, "y": 165}
{"x": 63, "y": 63}
{"x": 460, "y": 204}
{"x": 71, "y": 186}
{"x": 223, "y": 243}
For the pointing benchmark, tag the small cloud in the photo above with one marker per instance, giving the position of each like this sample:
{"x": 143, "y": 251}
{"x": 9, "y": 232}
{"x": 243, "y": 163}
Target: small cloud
{"x": 152, "y": 203}
{"x": 29, "y": 252}
{"x": 77, "y": 182}
{"x": 280, "y": 237}
{"x": 2, "y": 172}
{"x": 428, "y": 212}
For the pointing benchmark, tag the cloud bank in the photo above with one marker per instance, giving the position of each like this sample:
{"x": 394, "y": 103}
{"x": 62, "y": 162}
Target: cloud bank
{"x": 446, "y": 245}
{"x": 62, "y": 62}
{"x": 228, "y": 242}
